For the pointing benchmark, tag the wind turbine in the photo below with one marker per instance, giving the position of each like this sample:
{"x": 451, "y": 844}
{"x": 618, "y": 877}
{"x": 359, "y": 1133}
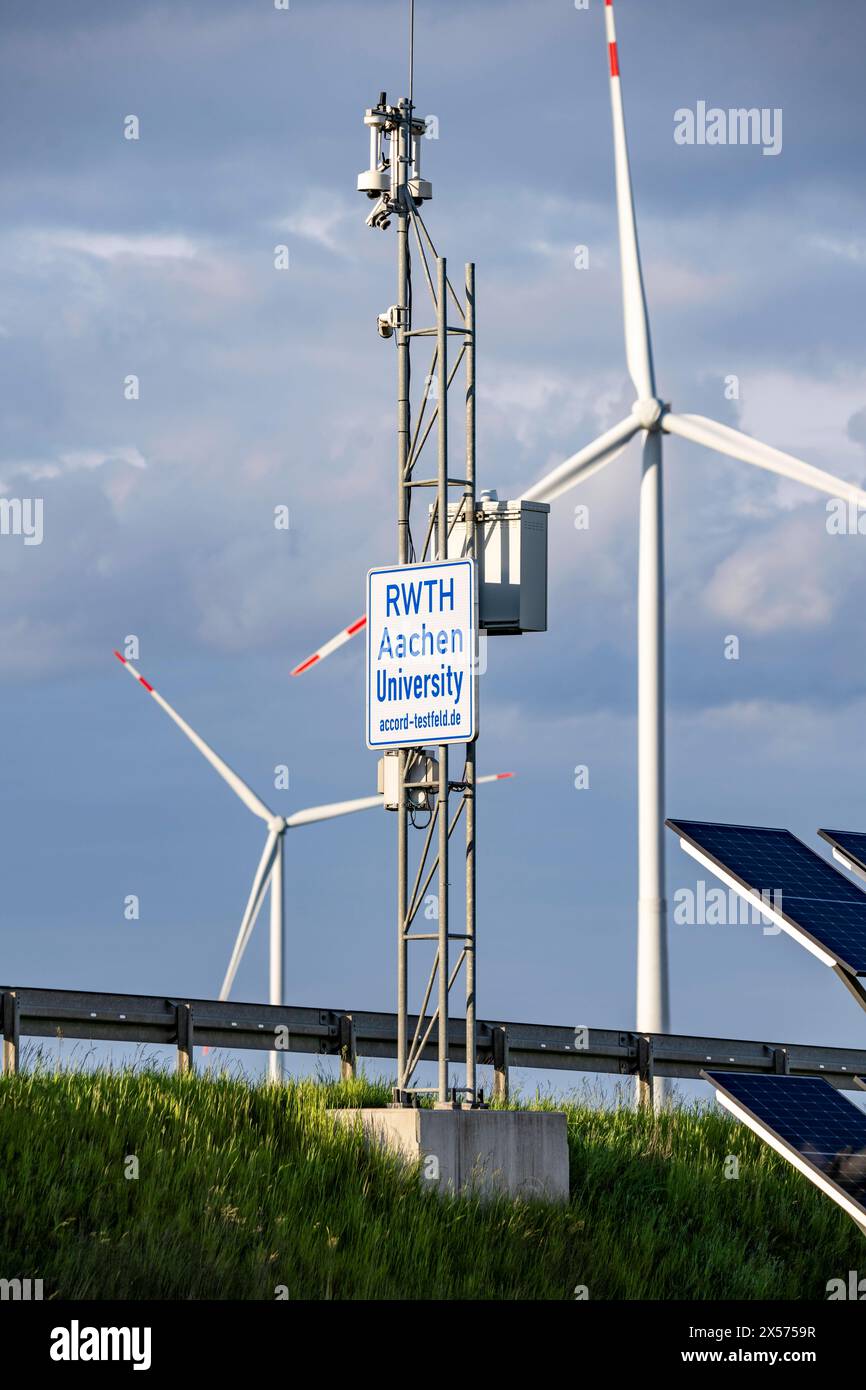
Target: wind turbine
{"x": 652, "y": 418}
{"x": 269, "y": 872}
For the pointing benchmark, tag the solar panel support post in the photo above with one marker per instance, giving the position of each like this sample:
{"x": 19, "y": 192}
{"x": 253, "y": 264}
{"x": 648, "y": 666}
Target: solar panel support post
{"x": 11, "y": 1035}
{"x": 852, "y": 984}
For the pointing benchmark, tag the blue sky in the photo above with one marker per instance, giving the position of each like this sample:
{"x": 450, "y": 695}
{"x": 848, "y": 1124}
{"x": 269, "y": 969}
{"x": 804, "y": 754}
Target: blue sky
{"x": 259, "y": 387}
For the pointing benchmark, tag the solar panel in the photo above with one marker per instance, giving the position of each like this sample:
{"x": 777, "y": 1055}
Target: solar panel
{"x": 849, "y": 846}
{"x": 787, "y": 881}
{"x": 803, "y": 1118}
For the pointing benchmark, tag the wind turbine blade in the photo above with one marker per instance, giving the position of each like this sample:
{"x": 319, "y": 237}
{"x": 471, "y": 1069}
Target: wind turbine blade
{"x": 722, "y": 438}
{"x": 365, "y": 803}
{"x": 246, "y": 794}
{"x": 335, "y": 642}
{"x": 638, "y": 349}
{"x": 329, "y": 812}
{"x": 583, "y": 464}
{"x": 253, "y": 907}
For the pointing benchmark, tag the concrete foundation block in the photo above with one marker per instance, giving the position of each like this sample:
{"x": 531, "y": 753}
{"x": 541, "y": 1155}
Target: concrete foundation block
{"x": 521, "y": 1153}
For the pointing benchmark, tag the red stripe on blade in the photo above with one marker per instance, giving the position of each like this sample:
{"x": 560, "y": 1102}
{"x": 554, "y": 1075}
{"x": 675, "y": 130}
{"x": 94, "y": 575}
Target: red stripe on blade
{"x": 356, "y": 627}
{"x": 614, "y": 60}
{"x": 120, "y": 658}
{"x": 145, "y": 684}
{"x": 500, "y": 775}
{"x": 305, "y": 665}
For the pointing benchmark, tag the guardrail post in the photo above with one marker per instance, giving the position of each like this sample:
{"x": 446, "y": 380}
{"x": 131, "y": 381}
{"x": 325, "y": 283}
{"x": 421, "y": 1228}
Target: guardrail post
{"x": 500, "y": 1063}
{"x": 185, "y": 1044}
{"x": 11, "y": 1023}
{"x": 645, "y": 1071}
{"x": 348, "y": 1047}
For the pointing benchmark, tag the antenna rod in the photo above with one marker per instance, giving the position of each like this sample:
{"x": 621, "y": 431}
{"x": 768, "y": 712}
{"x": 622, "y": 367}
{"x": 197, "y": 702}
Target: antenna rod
{"x": 411, "y": 50}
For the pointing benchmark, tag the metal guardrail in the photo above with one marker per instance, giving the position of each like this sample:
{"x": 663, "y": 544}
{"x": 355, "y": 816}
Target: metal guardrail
{"x": 350, "y": 1034}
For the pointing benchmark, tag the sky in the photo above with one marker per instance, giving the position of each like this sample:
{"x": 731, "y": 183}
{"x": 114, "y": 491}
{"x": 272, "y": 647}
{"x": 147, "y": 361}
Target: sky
{"x": 261, "y": 388}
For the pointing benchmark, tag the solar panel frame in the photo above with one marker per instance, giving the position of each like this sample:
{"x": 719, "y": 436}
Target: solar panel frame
{"x": 732, "y": 1084}
{"x": 853, "y": 856}
{"x": 850, "y": 894}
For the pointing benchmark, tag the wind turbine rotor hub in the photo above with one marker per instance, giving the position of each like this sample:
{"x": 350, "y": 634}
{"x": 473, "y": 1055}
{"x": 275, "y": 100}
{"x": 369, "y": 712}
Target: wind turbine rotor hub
{"x": 277, "y": 825}
{"x": 648, "y": 412}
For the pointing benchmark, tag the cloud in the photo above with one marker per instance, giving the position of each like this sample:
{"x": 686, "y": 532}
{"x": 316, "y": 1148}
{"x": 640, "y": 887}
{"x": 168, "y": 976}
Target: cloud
{"x": 546, "y": 409}
{"x": 765, "y": 586}
{"x": 857, "y": 427}
{"x": 113, "y": 246}
{"x": 73, "y": 461}
{"x": 852, "y": 249}
{"x": 320, "y": 219}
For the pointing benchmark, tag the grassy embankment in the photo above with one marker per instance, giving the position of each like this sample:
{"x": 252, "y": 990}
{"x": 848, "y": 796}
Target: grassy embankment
{"x": 242, "y": 1188}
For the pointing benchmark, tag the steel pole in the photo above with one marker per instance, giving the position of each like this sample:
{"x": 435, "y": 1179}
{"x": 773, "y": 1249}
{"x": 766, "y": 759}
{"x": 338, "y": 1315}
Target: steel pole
{"x": 403, "y": 494}
{"x": 469, "y": 504}
{"x": 277, "y": 925}
{"x": 441, "y": 554}
{"x": 652, "y": 957}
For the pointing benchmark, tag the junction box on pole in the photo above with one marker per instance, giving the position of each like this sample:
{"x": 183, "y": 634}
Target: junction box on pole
{"x": 511, "y": 552}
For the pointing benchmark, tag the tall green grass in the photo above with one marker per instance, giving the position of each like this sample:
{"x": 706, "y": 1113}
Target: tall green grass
{"x": 244, "y": 1188}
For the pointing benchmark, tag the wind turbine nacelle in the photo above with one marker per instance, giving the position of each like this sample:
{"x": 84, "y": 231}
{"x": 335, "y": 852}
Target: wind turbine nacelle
{"x": 511, "y": 555}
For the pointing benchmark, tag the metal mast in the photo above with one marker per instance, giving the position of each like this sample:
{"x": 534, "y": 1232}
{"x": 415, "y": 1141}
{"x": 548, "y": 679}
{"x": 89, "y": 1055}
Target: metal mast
{"x": 425, "y": 789}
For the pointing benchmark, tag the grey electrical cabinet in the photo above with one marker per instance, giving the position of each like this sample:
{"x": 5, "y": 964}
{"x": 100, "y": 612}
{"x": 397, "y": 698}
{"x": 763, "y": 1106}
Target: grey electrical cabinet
{"x": 511, "y": 549}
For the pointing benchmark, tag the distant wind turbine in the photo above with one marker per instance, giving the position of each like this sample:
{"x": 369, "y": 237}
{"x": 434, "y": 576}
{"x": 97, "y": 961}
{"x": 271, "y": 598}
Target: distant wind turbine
{"x": 270, "y": 868}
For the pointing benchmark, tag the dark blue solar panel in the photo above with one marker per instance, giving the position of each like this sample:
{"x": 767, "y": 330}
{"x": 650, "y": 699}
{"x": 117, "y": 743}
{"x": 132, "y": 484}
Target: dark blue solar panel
{"x": 804, "y": 888}
{"x": 852, "y": 843}
{"x": 827, "y": 1130}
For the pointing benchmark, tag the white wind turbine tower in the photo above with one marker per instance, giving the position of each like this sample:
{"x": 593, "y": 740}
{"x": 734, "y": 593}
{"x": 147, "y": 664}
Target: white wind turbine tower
{"x": 652, "y": 418}
{"x": 270, "y": 868}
